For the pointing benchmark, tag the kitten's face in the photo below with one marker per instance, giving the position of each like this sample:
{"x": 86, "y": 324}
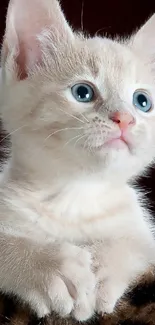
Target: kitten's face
{"x": 105, "y": 78}
{"x": 90, "y": 97}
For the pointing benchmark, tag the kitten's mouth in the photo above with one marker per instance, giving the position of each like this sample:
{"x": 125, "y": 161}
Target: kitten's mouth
{"x": 118, "y": 140}
{"x": 115, "y": 143}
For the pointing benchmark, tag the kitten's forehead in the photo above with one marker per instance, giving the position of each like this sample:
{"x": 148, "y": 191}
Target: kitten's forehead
{"x": 116, "y": 62}
{"x": 94, "y": 58}
{"x": 108, "y": 59}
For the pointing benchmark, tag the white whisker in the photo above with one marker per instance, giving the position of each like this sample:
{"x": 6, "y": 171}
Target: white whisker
{"x": 50, "y": 135}
{"x": 73, "y": 116}
{"x": 77, "y": 136}
{"x": 84, "y": 118}
{"x": 88, "y": 146}
{"x": 85, "y": 143}
{"x": 83, "y": 136}
{"x": 8, "y": 135}
{"x": 60, "y": 130}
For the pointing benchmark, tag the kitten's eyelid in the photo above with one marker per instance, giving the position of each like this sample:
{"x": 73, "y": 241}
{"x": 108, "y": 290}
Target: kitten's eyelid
{"x": 82, "y": 81}
{"x": 143, "y": 90}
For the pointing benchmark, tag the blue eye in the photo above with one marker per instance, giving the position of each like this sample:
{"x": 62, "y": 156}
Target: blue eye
{"x": 83, "y": 93}
{"x": 142, "y": 101}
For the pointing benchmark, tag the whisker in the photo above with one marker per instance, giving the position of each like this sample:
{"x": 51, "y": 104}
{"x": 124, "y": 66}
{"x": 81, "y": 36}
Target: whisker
{"x": 60, "y": 130}
{"x": 82, "y": 27}
{"x": 73, "y": 116}
{"x": 83, "y": 136}
{"x": 86, "y": 143}
{"x": 84, "y": 118}
{"x": 50, "y": 135}
{"x": 8, "y": 135}
{"x": 5, "y": 317}
{"x": 102, "y": 29}
{"x": 77, "y": 136}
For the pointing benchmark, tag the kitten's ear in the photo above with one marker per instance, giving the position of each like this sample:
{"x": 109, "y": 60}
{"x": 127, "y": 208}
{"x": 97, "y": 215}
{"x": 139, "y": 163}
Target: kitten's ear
{"x": 144, "y": 40}
{"x": 26, "y": 20}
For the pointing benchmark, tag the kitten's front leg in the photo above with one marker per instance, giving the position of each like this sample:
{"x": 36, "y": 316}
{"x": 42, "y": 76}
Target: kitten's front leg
{"x": 51, "y": 277}
{"x": 116, "y": 264}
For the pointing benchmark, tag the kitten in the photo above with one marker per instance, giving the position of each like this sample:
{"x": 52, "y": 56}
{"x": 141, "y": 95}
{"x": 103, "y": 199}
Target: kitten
{"x": 80, "y": 111}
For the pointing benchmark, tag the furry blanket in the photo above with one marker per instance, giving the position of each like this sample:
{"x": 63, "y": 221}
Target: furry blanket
{"x": 136, "y": 308}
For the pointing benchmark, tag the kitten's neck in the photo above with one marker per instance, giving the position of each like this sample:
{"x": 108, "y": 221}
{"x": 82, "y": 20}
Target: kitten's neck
{"x": 34, "y": 163}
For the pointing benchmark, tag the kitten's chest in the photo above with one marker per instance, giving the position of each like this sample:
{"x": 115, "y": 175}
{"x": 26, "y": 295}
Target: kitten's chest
{"x": 85, "y": 214}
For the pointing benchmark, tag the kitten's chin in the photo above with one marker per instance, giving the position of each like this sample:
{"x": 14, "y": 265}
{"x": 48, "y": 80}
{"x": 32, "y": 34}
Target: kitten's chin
{"x": 117, "y": 142}
{"x": 114, "y": 144}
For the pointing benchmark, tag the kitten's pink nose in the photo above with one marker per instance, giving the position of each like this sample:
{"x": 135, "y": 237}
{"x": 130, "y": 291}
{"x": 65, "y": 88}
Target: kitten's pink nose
{"x": 123, "y": 119}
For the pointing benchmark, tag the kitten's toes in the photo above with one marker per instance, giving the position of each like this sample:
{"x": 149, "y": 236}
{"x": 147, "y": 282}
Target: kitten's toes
{"x": 108, "y": 294}
{"x": 61, "y": 300}
{"x": 39, "y": 304}
{"x": 67, "y": 298}
{"x": 56, "y": 298}
{"x": 84, "y": 307}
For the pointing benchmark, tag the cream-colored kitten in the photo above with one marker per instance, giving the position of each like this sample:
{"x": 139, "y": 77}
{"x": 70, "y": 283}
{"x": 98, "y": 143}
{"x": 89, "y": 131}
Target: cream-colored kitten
{"x": 80, "y": 111}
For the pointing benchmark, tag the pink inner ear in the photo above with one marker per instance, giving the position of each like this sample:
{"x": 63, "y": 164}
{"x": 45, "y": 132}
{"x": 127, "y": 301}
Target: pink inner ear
{"x": 26, "y": 19}
{"x": 29, "y": 47}
{"x": 29, "y": 56}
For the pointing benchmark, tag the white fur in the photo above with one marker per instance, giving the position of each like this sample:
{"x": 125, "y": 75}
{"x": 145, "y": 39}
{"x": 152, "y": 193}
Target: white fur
{"x": 73, "y": 233}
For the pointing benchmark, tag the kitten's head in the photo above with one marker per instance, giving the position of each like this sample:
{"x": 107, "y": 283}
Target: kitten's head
{"x": 87, "y": 101}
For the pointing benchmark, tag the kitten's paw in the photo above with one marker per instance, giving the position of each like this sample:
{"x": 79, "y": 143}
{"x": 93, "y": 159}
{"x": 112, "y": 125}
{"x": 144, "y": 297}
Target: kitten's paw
{"x": 111, "y": 281}
{"x": 105, "y": 301}
{"x": 108, "y": 294}
{"x": 74, "y": 288}
{"x": 70, "y": 289}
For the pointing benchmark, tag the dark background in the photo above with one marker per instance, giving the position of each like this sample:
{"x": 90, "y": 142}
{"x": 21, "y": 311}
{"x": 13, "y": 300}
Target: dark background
{"x": 115, "y": 16}
{"x": 105, "y": 17}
